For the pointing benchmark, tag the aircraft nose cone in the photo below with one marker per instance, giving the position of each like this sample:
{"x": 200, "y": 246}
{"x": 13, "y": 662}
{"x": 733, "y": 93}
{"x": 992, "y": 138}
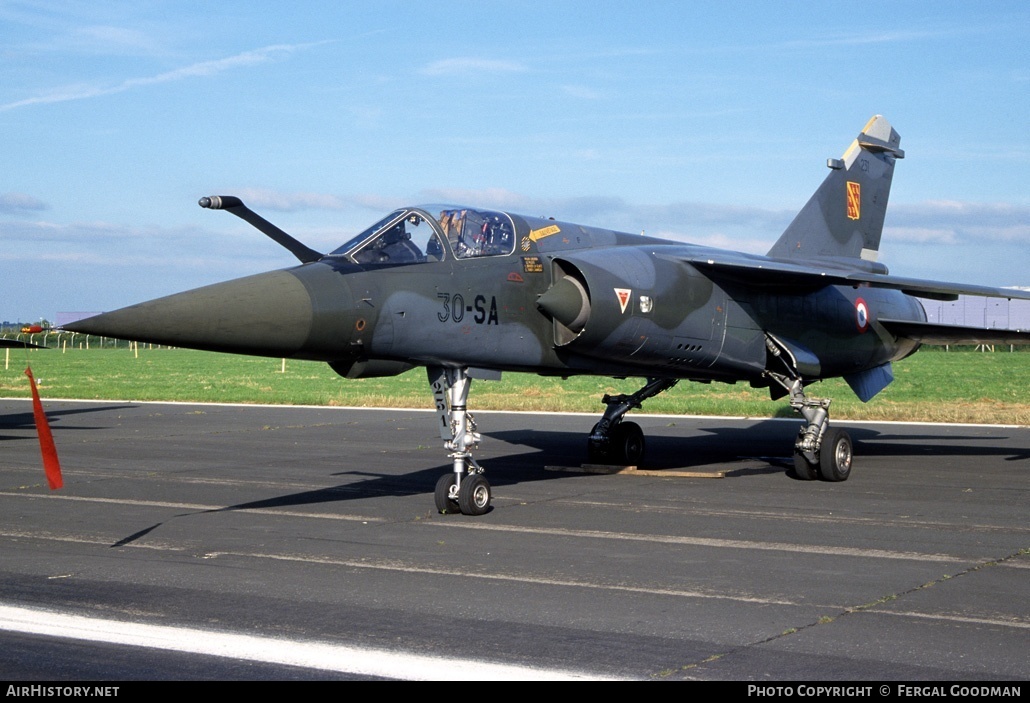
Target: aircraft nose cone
{"x": 567, "y": 302}
{"x": 277, "y": 314}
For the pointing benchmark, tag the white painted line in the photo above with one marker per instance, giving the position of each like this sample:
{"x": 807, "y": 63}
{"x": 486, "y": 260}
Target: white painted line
{"x": 324, "y": 656}
{"x": 518, "y": 412}
{"x": 716, "y": 543}
{"x": 195, "y": 507}
{"x": 511, "y": 578}
{"x": 950, "y": 618}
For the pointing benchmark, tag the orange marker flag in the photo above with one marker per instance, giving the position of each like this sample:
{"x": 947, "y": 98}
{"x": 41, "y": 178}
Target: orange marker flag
{"x": 46, "y": 440}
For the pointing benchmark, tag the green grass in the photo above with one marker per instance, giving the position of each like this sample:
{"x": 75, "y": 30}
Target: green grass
{"x": 955, "y": 386}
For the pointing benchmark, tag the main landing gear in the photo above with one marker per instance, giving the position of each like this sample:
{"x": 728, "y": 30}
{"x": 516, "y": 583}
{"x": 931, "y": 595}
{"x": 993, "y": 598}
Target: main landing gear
{"x": 614, "y": 441}
{"x": 819, "y": 450}
{"x": 465, "y": 489}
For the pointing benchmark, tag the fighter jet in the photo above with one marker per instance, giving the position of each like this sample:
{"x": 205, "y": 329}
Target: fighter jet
{"x": 18, "y": 344}
{"x": 470, "y": 293}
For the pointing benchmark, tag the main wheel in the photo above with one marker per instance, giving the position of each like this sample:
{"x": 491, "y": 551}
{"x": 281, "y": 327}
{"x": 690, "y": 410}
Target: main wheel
{"x": 474, "y": 495}
{"x": 803, "y": 468}
{"x": 627, "y": 443}
{"x": 835, "y": 455}
{"x": 446, "y": 501}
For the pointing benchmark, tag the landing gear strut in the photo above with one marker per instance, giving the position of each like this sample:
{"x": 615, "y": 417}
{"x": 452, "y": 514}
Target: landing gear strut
{"x": 465, "y": 489}
{"x": 819, "y": 450}
{"x": 613, "y": 440}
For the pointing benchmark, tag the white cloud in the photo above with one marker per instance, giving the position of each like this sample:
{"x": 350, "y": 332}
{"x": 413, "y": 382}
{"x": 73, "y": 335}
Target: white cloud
{"x": 471, "y": 66}
{"x": 719, "y": 240}
{"x": 483, "y": 197}
{"x": 957, "y": 222}
{"x": 378, "y": 203}
{"x": 923, "y": 235}
{"x": 1001, "y": 233}
{"x": 84, "y": 91}
{"x": 109, "y": 39}
{"x": 873, "y": 37}
{"x": 20, "y": 202}
{"x": 582, "y": 91}
{"x": 91, "y": 235}
{"x": 288, "y": 202}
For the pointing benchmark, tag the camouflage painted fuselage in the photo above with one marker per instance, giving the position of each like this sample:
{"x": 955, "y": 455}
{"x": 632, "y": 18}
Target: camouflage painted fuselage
{"x": 649, "y": 314}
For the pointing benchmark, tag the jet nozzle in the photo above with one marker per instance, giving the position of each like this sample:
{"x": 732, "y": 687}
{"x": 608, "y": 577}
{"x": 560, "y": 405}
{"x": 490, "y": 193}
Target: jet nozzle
{"x": 220, "y": 202}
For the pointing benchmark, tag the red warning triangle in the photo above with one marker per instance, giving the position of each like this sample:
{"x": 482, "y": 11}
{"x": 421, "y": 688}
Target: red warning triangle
{"x": 623, "y": 294}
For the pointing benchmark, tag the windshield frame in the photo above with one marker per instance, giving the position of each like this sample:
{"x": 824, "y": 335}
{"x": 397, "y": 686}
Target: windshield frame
{"x": 448, "y": 238}
{"x": 355, "y": 243}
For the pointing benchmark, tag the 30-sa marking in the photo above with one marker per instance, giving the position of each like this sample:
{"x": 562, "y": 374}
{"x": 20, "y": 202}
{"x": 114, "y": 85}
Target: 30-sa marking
{"x": 455, "y": 309}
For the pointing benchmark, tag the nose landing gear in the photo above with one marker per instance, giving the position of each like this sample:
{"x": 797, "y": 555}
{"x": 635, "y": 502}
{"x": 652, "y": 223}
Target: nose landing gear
{"x": 465, "y": 489}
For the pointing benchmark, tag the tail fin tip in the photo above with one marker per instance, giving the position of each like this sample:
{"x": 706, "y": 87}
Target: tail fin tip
{"x": 879, "y": 136}
{"x": 844, "y": 217}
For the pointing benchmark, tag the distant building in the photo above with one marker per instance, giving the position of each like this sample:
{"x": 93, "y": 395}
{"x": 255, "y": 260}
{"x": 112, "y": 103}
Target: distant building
{"x": 66, "y": 318}
{"x": 978, "y": 311}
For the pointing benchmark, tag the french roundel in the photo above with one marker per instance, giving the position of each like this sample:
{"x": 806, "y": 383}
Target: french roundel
{"x": 861, "y": 315}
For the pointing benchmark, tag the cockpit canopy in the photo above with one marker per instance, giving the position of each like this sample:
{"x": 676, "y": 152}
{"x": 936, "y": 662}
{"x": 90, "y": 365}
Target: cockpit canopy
{"x": 423, "y": 234}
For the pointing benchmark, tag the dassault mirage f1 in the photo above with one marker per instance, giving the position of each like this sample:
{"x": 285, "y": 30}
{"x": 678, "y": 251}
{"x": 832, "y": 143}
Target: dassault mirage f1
{"x": 469, "y": 293}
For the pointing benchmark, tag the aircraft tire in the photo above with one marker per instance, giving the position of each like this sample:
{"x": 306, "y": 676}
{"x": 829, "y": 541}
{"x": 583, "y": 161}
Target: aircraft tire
{"x": 444, "y": 503}
{"x": 836, "y": 455}
{"x": 595, "y": 453}
{"x": 803, "y": 468}
{"x": 474, "y": 495}
{"x": 627, "y": 443}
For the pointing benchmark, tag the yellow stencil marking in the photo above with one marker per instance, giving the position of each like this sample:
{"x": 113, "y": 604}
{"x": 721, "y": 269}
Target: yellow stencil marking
{"x": 538, "y": 234}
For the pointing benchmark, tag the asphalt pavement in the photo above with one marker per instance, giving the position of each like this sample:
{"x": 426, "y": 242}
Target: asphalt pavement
{"x": 303, "y": 543}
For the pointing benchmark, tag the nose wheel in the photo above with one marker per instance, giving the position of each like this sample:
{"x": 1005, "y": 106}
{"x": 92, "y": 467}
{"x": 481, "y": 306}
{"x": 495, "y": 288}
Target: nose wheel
{"x": 464, "y": 489}
{"x": 470, "y": 497}
{"x": 474, "y": 495}
{"x": 446, "y": 495}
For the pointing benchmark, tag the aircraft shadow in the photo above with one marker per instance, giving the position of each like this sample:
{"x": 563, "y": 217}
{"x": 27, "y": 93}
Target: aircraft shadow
{"x": 19, "y": 421}
{"x": 770, "y": 440}
{"x": 417, "y": 483}
{"x": 767, "y": 443}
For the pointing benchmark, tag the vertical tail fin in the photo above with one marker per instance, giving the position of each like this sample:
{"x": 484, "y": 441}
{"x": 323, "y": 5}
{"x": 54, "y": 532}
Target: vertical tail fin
{"x": 844, "y": 218}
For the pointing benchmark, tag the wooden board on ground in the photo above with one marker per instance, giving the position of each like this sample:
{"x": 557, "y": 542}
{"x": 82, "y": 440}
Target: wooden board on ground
{"x": 633, "y": 470}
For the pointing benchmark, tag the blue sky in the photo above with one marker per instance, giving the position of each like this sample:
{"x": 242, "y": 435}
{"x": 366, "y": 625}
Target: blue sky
{"x": 707, "y": 122}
